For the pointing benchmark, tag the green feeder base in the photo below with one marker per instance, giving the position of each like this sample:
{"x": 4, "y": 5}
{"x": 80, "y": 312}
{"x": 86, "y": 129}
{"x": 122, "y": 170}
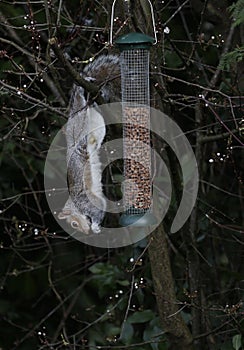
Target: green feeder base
{"x": 139, "y": 220}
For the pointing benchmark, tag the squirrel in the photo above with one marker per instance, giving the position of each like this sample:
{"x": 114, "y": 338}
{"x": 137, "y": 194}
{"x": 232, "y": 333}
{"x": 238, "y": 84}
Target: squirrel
{"x": 104, "y": 71}
{"x": 85, "y": 130}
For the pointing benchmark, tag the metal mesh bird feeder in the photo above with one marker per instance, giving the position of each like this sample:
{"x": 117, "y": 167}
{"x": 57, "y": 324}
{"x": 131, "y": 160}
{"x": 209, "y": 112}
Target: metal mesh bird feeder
{"x": 137, "y": 188}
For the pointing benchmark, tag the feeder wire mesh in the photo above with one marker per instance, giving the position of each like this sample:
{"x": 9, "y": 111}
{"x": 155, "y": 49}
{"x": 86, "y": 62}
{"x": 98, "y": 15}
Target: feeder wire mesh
{"x": 135, "y": 77}
{"x": 136, "y": 130}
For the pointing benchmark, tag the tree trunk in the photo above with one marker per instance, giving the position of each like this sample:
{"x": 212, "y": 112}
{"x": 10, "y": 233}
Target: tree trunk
{"x": 172, "y": 322}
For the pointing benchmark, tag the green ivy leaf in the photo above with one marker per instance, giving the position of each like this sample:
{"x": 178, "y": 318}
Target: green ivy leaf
{"x": 96, "y": 268}
{"x": 111, "y": 330}
{"x": 236, "y": 341}
{"x": 141, "y": 316}
{"x": 127, "y": 333}
{"x": 124, "y": 283}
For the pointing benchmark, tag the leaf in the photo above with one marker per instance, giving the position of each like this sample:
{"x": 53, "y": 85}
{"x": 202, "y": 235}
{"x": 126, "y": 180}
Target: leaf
{"x": 111, "y": 330}
{"x": 123, "y": 283}
{"x": 127, "y": 333}
{"x": 140, "y": 296}
{"x": 149, "y": 335}
{"x": 236, "y": 341}
{"x": 154, "y": 333}
{"x": 141, "y": 316}
{"x": 105, "y": 276}
{"x": 96, "y": 268}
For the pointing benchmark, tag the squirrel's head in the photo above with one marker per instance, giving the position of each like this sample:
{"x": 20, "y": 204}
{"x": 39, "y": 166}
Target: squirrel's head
{"x": 78, "y": 222}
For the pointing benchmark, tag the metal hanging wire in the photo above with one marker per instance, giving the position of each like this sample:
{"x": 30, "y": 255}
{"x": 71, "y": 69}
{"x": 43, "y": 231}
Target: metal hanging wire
{"x": 112, "y": 22}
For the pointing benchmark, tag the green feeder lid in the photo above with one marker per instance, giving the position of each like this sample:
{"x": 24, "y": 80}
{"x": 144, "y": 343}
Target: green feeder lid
{"x": 133, "y": 41}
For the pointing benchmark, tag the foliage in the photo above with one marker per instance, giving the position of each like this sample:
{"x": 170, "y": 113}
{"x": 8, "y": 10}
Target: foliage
{"x": 235, "y": 56}
{"x": 231, "y": 58}
{"x": 237, "y": 12}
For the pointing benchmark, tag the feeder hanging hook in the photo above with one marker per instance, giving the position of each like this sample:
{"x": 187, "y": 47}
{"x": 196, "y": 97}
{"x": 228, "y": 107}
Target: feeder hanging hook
{"x": 112, "y": 23}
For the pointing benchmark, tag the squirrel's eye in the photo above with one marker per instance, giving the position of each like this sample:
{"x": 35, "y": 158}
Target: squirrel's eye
{"x": 74, "y": 224}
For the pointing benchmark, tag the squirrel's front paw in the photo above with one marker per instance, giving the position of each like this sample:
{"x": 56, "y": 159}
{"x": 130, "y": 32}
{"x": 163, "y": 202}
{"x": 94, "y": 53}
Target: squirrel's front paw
{"x": 95, "y": 228}
{"x": 92, "y": 144}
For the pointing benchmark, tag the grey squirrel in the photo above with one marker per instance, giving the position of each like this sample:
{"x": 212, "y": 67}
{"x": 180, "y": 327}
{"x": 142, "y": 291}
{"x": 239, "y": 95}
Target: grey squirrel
{"x": 85, "y": 130}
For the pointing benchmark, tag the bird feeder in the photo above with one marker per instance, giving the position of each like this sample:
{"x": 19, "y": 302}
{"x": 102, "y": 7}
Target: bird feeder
{"x": 137, "y": 188}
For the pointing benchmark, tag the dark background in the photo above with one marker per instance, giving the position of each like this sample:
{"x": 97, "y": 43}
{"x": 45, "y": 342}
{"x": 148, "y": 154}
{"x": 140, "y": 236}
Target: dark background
{"x": 57, "y": 293}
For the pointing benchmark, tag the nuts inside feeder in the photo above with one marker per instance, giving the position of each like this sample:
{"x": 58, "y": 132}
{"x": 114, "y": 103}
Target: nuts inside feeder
{"x": 137, "y": 167}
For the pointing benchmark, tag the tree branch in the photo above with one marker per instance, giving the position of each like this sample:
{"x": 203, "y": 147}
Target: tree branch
{"x": 93, "y": 89}
{"x": 213, "y": 138}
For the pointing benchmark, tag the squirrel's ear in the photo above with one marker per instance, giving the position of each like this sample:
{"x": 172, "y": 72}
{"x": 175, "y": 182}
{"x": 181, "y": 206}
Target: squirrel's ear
{"x": 64, "y": 214}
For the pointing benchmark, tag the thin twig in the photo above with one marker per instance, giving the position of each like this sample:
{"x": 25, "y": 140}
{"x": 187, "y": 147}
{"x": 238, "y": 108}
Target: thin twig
{"x": 175, "y": 13}
{"x": 128, "y": 306}
{"x": 30, "y": 99}
{"x": 51, "y": 313}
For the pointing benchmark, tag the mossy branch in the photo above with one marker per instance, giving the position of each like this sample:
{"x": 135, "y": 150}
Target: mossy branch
{"x": 172, "y": 322}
